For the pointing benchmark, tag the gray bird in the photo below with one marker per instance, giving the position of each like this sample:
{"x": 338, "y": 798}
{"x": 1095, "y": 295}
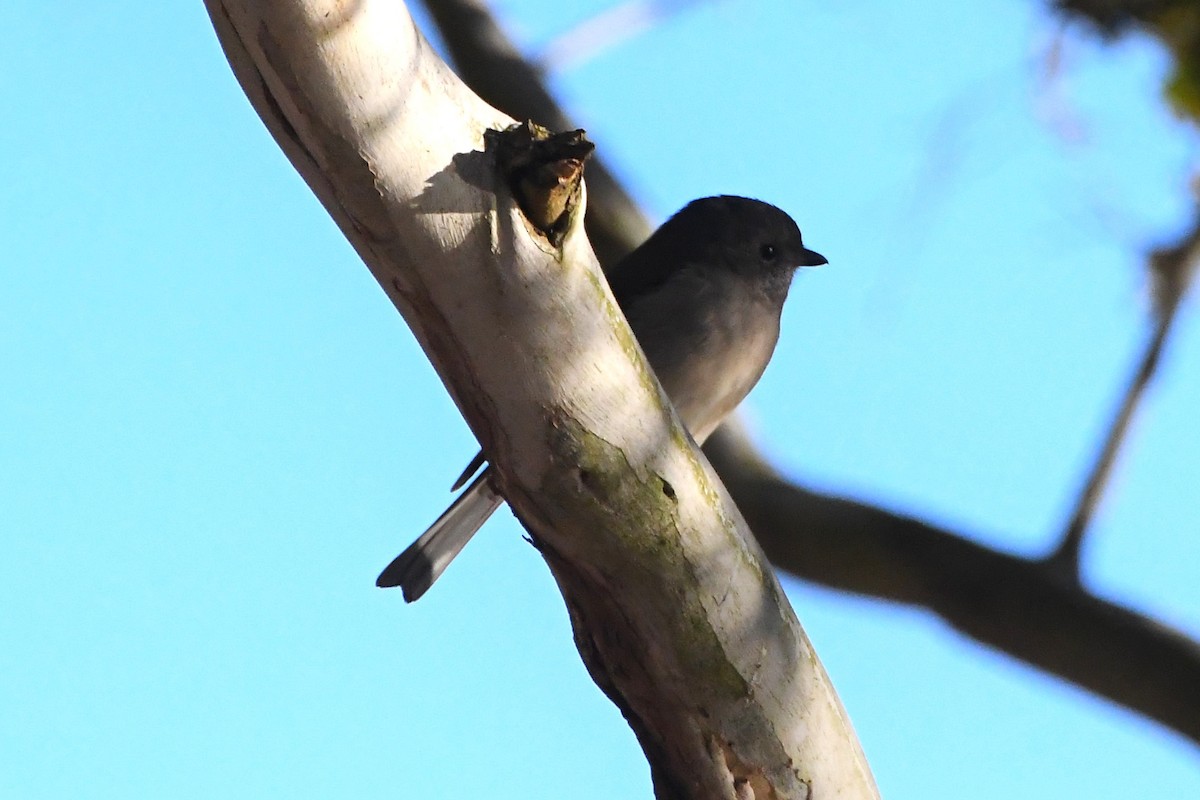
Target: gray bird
{"x": 703, "y": 295}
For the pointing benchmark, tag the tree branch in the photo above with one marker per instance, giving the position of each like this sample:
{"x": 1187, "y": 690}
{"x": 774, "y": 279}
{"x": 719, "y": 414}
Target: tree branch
{"x": 676, "y": 614}
{"x": 1023, "y": 607}
{"x": 1172, "y": 268}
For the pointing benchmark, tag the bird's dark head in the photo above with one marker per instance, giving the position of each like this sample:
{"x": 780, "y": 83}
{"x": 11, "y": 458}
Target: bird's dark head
{"x": 733, "y": 235}
{"x": 745, "y": 235}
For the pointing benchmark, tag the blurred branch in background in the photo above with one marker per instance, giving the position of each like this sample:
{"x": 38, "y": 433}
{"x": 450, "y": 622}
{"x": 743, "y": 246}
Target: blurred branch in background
{"x": 1172, "y": 269}
{"x": 610, "y": 27}
{"x": 1032, "y": 609}
{"x": 1176, "y": 24}
{"x": 1016, "y": 605}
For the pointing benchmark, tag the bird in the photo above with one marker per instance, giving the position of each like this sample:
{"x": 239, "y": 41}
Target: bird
{"x": 703, "y": 295}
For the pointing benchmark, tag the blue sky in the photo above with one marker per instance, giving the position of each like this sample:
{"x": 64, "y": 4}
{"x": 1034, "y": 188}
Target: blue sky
{"x": 217, "y": 430}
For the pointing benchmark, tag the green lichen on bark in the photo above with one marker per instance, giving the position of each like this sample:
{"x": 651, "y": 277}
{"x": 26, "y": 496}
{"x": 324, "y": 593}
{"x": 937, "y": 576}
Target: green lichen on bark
{"x": 646, "y": 558}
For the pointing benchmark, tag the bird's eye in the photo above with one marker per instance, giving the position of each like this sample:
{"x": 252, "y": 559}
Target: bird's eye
{"x": 768, "y": 252}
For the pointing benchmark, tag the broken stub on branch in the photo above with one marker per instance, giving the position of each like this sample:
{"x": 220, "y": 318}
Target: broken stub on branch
{"x": 544, "y": 170}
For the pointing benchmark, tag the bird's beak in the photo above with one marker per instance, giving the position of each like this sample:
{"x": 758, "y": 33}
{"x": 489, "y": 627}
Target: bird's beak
{"x": 811, "y": 258}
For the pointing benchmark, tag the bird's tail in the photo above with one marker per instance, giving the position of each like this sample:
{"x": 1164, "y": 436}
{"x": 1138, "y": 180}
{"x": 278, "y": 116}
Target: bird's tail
{"x": 426, "y": 559}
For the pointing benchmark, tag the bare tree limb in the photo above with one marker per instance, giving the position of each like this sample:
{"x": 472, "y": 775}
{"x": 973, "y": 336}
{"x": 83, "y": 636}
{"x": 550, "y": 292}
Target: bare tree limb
{"x": 675, "y": 612}
{"x": 1173, "y": 268}
{"x": 1066, "y": 557}
{"x": 1023, "y": 607}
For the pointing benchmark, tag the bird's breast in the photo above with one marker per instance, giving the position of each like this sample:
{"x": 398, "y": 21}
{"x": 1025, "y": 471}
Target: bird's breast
{"x": 709, "y": 351}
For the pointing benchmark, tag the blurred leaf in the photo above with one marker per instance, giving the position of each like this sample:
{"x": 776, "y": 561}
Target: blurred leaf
{"x": 1176, "y": 23}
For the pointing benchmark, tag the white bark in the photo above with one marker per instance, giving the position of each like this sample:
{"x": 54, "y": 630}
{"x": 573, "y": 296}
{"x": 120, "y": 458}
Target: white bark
{"x": 677, "y": 614}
